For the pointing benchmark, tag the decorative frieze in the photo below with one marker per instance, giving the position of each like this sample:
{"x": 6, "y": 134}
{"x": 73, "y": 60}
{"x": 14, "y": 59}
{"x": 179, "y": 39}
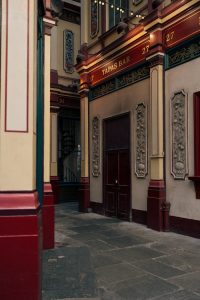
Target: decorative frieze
{"x": 95, "y": 146}
{"x": 183, "y": 54}
{"x": 68, "y": 51}
{"x": 104, "y": 89}
{"x": 133, "y": 76}
{"x": 141, "y": 141}
{"x": 179, "y": 135}
{"x": 121, "y": 81}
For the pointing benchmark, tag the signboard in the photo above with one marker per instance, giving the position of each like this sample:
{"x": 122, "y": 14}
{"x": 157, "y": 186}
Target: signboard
{"x": 182, "y": 30}
{"x": 121, "y": 63}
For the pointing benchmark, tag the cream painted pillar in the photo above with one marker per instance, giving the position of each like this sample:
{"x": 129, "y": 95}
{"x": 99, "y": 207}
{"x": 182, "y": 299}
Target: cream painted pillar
{"x": 54, "y": 144}
{"x": 48, "y": 197}
{"x": 84, "y": 202}
{"x": 47, "y": 108}
{"x": 84, "y": 22}
{"x": 84, "y": 137}
{"x": 156, "y": 121}
{"x": 20, "y": 231}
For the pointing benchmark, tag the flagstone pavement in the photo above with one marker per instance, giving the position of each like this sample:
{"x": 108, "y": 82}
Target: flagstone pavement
{"x": 100, "y": 258}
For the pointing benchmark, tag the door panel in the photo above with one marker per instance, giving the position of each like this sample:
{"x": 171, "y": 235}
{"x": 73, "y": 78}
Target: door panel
{"x": 111, "y": 208}
{"x": 124, "y": 185}
{"x": 109, "y": 185}
{"x": 117, "y": 167}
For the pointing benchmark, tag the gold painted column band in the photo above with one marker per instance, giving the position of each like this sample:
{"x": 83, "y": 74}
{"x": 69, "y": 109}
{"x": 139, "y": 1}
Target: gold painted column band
{"x": 157, "y": 123}
{"x": 54, "y": 144}
{"x": 84, "y": 137}
{"x": 18, "y": 149}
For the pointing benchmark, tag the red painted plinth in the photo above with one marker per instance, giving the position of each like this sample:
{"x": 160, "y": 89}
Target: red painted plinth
{"x": 20, "y": 246}
{"x": 55, "y": 188}
{"x": 84, "y": 199}
{"x": 48, "y": 217}
{"x": 157, "y": 207}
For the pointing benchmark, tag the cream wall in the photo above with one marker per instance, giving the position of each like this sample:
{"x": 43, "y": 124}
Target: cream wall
{"x": 61, "y": 26}
{"x": 121, "y": 101}
{"x": 181, "y": 193}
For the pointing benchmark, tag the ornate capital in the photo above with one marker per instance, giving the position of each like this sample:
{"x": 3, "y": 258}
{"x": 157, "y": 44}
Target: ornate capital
{"x": 156, "y": 59}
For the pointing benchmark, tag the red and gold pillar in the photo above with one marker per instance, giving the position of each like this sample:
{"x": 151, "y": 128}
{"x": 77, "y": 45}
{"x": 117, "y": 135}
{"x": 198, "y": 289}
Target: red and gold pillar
{"x": 157, "y": 207}
{"x": 20, "y": 214}
{"x": 48, "y": 199}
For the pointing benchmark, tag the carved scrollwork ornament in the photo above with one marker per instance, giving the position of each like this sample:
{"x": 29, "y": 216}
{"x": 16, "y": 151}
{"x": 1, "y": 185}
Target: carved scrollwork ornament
{"x": 179, "y": 148}
{"x": 141, "y": 141}
{"x": 96, "y": 146}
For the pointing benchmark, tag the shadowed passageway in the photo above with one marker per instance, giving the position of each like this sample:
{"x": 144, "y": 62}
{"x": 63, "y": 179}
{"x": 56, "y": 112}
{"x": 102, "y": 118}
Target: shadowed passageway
{"x": 102, "y": 258}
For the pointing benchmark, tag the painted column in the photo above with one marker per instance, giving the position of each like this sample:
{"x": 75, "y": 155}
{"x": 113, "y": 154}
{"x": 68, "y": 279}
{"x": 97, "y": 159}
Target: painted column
{"x": 48, "y": 198}
{"x": 84, "y": 202}
{"x": 157, "y": 207}
{"x": 20, "y": 216}
{"x": 84, "y": 22}
{"x": 54, "y": 154}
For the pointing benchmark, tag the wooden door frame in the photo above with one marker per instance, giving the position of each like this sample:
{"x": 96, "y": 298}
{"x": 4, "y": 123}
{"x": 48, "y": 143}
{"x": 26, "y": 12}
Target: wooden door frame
{"x": 104, "y": 158}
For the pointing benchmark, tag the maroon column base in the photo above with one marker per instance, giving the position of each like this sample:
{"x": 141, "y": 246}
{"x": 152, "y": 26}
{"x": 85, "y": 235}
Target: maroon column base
{"x": 157, "y": 207}
{"x": 55, "y": 188}
{"x": 20, "y": 246}
{"x": 84, "y": 199}
{"x": 48, "y": 217}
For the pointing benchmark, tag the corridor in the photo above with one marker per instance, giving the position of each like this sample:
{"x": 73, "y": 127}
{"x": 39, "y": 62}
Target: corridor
{"x": 102, "y": 258}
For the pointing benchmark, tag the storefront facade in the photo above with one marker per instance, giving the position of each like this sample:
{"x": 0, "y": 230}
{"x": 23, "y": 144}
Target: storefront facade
{"x": 139, "y": 99}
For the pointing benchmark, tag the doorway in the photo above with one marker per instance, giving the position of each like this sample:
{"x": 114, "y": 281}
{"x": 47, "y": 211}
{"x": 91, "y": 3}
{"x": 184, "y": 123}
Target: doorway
{"x": 116, "y": 173}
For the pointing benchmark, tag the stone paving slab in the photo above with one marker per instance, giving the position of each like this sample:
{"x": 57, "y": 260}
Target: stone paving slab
{"x": 145, "y": 287}
{"x": 100, "y": 258}
{"x": 158, "y": 269}
{"x": 180, "y": 295}
{"x": 113, "y": 274}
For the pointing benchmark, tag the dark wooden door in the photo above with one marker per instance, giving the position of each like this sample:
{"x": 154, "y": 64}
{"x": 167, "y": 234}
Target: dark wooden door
{"x": 117, "y": 167}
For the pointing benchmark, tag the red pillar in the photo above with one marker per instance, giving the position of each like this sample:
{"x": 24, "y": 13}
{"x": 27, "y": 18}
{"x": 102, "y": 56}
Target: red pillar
{"x": 20, "y": 246}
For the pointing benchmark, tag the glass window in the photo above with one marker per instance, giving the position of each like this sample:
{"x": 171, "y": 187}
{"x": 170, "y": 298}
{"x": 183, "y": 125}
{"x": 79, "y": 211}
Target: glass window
{"x": 118, "y": 9}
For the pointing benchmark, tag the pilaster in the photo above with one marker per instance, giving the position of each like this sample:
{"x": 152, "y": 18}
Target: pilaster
{"x": 84, "y": 202}
{"x": 157, "y": 207}
{"x": 54, "y": 155}
{"x": 20, "y": 216}
{"x": 48, "y": 200}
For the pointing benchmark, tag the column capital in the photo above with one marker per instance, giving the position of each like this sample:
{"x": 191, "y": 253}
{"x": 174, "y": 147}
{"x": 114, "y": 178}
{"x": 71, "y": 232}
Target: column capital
{"x": 48, "y": 24}
{"x": 156, "y": 59}
{"x": 84, "y": 92}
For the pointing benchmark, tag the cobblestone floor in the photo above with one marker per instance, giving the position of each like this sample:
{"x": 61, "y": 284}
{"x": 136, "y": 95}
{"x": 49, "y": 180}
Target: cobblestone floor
{"x": 103, "y": 258}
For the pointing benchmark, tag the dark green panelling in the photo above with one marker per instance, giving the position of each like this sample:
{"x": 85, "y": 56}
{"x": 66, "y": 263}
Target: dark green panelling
{"x": 121, "y": 81}
{"x": 182, "y": 53}
{"x": 40, "y": 112}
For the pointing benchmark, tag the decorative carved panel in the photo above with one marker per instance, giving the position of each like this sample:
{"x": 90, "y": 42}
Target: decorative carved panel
{"x": 183, "y": 54}
{"x": 95, "y": 147}
{"x": 94, "y": 25}
{"x": 141, "y": 141}
{"x": 68, "y": 51}
{"x": 179, "y": 135}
